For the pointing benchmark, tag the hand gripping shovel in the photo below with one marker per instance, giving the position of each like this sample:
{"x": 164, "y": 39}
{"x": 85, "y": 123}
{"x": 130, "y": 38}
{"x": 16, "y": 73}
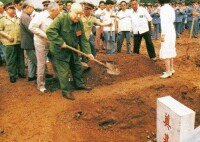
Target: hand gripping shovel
{"x": 111, "y": 69}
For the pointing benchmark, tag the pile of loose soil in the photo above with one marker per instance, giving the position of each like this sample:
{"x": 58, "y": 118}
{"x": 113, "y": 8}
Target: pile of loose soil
{"x": 130, "y": 66}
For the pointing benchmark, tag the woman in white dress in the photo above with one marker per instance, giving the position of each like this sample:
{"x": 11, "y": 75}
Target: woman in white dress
{"x": 168, "y": 37}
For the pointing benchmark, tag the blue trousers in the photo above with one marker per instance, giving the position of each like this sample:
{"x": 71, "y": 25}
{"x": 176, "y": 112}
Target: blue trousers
{"x": 109, "y": 42}
{"x": 120, "y": 39}
{"x": 195, "y": 29}
{"x": 156, "y": 31}
{"x": 178, "y": 28}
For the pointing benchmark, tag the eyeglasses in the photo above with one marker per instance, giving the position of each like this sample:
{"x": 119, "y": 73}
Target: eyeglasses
{"x": 123, "y": 4}
{"x": 45, "y": 5}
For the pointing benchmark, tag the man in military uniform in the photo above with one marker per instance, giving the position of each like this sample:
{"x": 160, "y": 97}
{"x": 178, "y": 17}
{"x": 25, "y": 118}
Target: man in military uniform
{"x": 88, "y": 24}
{"x": 45, "y": 4}
{"x": 68, "y": 30}
{"x": 10, "y": 32}
{"x": 61, "y": 5}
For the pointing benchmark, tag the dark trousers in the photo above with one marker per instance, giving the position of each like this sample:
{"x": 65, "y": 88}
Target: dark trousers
{"x": 63, "y": 68}
{"x": 15, "y": 60}
{"x": 148, "y": 41}
{"x": 1, "y": 61}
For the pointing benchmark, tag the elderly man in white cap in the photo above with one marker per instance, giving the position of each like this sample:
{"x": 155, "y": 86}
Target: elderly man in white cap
{"x": 38, "y": 26}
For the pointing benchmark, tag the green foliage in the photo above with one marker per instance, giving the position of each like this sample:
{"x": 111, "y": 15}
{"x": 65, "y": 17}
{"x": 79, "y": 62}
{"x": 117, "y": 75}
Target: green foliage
{"x": 6, "y": 1}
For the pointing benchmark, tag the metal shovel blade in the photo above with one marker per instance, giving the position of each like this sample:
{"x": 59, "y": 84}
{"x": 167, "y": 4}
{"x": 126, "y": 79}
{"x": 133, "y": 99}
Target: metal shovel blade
{"x": 112, "y": 69}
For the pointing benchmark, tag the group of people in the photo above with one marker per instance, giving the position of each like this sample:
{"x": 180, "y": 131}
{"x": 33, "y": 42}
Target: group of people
{"x": 51, "y": 31}
{"x": 184, "y": 15}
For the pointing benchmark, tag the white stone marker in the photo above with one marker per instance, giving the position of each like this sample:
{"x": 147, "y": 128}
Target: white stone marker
{"x": 174, "y": 120}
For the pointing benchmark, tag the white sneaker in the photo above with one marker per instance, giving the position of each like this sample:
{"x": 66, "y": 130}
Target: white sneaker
{"x": 166, "y": 75}
{"x": 43, "y": 90}
{"x": 172, "y": 71}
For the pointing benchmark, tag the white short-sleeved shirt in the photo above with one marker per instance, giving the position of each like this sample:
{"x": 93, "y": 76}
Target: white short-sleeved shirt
{"x": 139, "y": 20}
{"x": 98, "y": 13}
{"x": 124, "y": 20}
{"x": 107, "y": 19}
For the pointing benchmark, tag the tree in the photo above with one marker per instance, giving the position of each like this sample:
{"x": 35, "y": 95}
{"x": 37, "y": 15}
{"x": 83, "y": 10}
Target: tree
{"x": 6, "y": 1}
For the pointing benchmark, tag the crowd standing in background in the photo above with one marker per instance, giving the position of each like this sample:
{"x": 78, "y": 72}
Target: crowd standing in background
{"x": 35, "y": 35}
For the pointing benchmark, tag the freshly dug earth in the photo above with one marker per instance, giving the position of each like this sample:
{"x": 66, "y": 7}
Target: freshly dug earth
{"x": 120, "y": 108}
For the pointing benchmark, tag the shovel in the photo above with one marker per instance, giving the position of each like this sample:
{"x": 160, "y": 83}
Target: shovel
{"x": 110, "y": 42}
{"x": 192, "y": 27}
{"x": 111, "y": 69}
{"x": 191, "y": 32}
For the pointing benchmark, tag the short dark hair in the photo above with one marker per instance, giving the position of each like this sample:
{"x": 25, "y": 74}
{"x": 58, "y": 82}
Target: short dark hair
{"x": 101, "y": 2}
{"x": 123, "y": 2}
{"x": 164, "y": 1}
{"x": 68, "y": 2}
{"x": 17, "y": 1}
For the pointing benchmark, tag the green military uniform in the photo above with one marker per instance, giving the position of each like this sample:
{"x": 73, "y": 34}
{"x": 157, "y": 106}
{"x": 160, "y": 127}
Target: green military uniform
{"x": 64, "y": 30}
{"x": 88, "y": 23}
{"x": 14, "y": 53}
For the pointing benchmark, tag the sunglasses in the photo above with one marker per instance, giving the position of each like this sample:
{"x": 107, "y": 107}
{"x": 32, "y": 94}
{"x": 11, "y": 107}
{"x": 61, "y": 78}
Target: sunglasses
{"x": 45, "y": 5}
{"x": 12, "y": 8}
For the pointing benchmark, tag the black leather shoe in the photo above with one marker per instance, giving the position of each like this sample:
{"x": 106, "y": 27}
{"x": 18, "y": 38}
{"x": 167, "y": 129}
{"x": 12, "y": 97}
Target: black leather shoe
{"x": 32, "y": 78}
{"x": 12, "y": 79}
{"x": 21, "y": 76}
{"x": 69, "y": 96}
{"x": 84, "y": 88}
{"x": 48, "y": 75}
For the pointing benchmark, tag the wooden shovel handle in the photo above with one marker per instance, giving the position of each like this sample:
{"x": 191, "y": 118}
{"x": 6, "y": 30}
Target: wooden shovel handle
{"x": 192, "y": 27}
{"x": 78, "y": 51}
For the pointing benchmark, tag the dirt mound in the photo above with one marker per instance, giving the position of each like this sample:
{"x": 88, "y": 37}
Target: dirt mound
{"x": 130, "y": 66}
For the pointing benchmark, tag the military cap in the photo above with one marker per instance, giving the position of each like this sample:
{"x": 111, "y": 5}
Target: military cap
{"x": 59, "y": 2}
{"x": 9, "y": 5}
{"x": 89, "y": 4}
{"x": 46, "y": 1}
